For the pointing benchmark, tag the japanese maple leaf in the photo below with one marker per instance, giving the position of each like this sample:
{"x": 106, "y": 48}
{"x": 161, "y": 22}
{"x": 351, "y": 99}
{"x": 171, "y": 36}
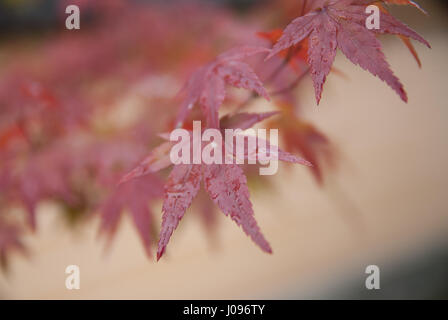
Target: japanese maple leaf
{"x": 302, "y": 137}
{"x": 182, "y": 187}
{"x": 225, "y": 184}
{"x": 407, "y": 42}
{"x": 134, "y": 196}
{"x": 109, "y": 159}
{"x": 207, "y": 85}
{"x": 341, "y": 24}
{"x": 45, "y": 176}
{"x": 159, "y": 157}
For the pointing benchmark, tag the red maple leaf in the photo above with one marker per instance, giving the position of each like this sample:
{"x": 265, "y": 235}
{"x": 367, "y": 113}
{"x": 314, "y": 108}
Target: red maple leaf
{"x": 407, "y": 42}
{"x": 225, "y": 184}
{"x": 341, "y": 24}
{"x": 134, "y": 196}
{"x": 45, "y": 176}
{"x": 302, "y": 137}
{"x": 207, "y": 85}
{"x": 227, "y": 187}
{"x": 182, "y": 187}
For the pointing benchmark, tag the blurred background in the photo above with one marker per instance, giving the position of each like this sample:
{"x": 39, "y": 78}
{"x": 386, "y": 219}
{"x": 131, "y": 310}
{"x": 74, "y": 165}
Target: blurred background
{"x": 111, "y": 86}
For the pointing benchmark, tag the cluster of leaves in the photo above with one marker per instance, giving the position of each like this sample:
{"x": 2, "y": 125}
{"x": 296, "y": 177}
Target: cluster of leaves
{"x": 60, "y": 137}
{"x": 52, "y": 145}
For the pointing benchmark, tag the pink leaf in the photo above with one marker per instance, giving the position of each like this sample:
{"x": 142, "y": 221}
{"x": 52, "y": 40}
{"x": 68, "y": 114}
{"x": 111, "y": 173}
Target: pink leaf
{"x": 227, "y": 186}
{"x": 135, "y": 196}
{"x": 207, "y": 85}
{"x": 365, "y": 51}
{"x": 180, "y": 190}
{"x": 341, "y": 23}
{"x": 157, "y": 160}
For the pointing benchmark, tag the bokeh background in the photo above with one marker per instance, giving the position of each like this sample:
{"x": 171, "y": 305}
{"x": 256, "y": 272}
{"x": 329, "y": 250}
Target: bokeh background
{"x": 386, "y": 205}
